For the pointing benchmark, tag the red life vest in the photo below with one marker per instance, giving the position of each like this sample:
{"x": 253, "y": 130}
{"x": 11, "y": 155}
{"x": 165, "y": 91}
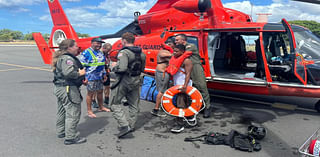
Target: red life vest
{"x": 166, "y": 47}
{"x": 175, "y": 63}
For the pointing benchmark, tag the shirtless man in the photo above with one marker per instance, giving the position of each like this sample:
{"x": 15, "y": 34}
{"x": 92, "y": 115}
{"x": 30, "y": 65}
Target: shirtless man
{"x": 162, "y": 78}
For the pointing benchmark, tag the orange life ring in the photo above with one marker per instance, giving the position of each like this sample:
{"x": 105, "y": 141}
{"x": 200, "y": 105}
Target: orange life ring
{"x": 193, "y": 109}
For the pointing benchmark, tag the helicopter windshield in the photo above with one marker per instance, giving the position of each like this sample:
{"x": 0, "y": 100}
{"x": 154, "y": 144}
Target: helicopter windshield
{"x": 308, "y": 44}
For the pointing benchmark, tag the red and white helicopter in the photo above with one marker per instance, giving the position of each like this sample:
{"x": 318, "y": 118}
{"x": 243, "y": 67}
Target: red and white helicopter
{"x": 239, "y": 56}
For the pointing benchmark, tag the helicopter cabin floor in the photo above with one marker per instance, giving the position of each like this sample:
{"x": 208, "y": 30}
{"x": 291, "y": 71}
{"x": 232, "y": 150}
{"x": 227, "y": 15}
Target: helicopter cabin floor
{"x": 245, "y": 73}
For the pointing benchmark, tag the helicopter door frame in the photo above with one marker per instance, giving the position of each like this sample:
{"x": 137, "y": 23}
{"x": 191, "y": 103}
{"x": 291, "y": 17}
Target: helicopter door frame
{"x": 299, "y": 63}
{"x": 213, "y": 43}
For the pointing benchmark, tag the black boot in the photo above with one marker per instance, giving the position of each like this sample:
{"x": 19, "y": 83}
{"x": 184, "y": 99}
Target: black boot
{"x": 77, "y": 140}
{"x": 124, "y": 131}
{"x": 62, "y": 135}
{"x": 207, "y": 112}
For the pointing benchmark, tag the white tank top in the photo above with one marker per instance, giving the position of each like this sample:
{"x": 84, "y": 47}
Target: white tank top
{"x": 179, "y": 78}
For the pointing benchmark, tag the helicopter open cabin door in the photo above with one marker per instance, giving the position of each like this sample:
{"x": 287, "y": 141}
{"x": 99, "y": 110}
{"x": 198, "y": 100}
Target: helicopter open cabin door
{"x": 299, "y": 64}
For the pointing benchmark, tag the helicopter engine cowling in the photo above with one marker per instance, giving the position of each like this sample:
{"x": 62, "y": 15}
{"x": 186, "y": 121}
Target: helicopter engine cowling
{"x": 192, "y": 6}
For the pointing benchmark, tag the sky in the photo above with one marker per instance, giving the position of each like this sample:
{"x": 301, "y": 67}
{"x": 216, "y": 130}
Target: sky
{"x": 101, "y": 17}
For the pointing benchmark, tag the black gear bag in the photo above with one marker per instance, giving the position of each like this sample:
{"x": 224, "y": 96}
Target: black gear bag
{"x": 234, "y": 139}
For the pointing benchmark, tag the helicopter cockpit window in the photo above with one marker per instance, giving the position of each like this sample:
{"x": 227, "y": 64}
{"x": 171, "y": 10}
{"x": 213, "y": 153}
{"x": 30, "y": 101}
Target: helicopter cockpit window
{"x": 308, "y": 46}
{"x": 193, "y": 40}
{"x": 190, "y": 39}
{"x": 307, "y": 43}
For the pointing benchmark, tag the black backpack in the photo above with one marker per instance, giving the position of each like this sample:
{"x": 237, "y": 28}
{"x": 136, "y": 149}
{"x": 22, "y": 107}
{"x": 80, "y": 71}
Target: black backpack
{"x": 134, "y": 68}
{"x": 243, "y": 142}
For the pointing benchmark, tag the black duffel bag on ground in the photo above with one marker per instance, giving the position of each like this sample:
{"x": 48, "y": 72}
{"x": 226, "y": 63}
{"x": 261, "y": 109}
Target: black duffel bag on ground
{"x": 234, "y": 139}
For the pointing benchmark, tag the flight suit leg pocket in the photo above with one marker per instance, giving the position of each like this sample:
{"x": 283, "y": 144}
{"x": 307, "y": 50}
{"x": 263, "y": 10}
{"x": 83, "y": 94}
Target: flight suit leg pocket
{"x": 74, "y": 95}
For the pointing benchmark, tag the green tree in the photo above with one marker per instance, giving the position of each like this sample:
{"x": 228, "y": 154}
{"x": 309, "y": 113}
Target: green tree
{"x": 28, "y": 36}
{"x": 5, "y": 31}
{"x": 16, "y": 35}
{"x": 313, "y": 26}
{"x": 5, "y": 37}
{"x": 8, "y": 35}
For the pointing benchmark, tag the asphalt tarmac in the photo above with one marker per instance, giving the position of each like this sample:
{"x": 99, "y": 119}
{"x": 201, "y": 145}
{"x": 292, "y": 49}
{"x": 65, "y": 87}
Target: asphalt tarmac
{"x": 28, "y": 114}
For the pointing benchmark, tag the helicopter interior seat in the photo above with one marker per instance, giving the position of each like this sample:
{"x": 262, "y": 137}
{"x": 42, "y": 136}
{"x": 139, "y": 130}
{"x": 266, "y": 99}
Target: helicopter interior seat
{"x": 238, "y": 52}
{"x": 243, "y": 52}
{"x": 277, "y": 65}
{"x": 275, "y": 48}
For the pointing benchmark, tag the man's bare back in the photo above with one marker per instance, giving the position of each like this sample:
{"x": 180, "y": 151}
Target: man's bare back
{"x": 163, "y": 58}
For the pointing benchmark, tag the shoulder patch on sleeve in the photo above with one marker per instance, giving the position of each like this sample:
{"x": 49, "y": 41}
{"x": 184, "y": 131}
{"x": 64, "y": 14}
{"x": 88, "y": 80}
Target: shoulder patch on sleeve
{"x": 69, "y": 62}
{"x": 120, "y": 54}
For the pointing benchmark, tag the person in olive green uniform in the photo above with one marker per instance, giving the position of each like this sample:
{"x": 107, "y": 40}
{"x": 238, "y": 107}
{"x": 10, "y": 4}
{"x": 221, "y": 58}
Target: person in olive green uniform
{"x": 130, "y": 64}
{"x": 197, "y": 74}
{"x": 68, "y": 77}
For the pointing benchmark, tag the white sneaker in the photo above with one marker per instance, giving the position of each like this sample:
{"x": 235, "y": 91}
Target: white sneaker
{"x": 191, "y": 119}
{"x": 177, "y": 129}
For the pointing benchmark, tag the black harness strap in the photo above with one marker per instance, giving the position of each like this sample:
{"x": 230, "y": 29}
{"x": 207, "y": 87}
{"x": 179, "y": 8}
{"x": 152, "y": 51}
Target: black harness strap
{"x": 197, "y": 138}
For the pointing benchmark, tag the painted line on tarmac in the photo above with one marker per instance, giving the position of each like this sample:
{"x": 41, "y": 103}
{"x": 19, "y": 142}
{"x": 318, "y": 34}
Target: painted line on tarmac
{"x": 25, "y": 67}
{"x": 17, "y": 45}
{"x": 16, "y": 69}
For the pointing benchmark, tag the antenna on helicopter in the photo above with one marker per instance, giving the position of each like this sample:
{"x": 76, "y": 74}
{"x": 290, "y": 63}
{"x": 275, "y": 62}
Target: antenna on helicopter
{"x": 136, "y": 15}
{"x": 251, "y": 8}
